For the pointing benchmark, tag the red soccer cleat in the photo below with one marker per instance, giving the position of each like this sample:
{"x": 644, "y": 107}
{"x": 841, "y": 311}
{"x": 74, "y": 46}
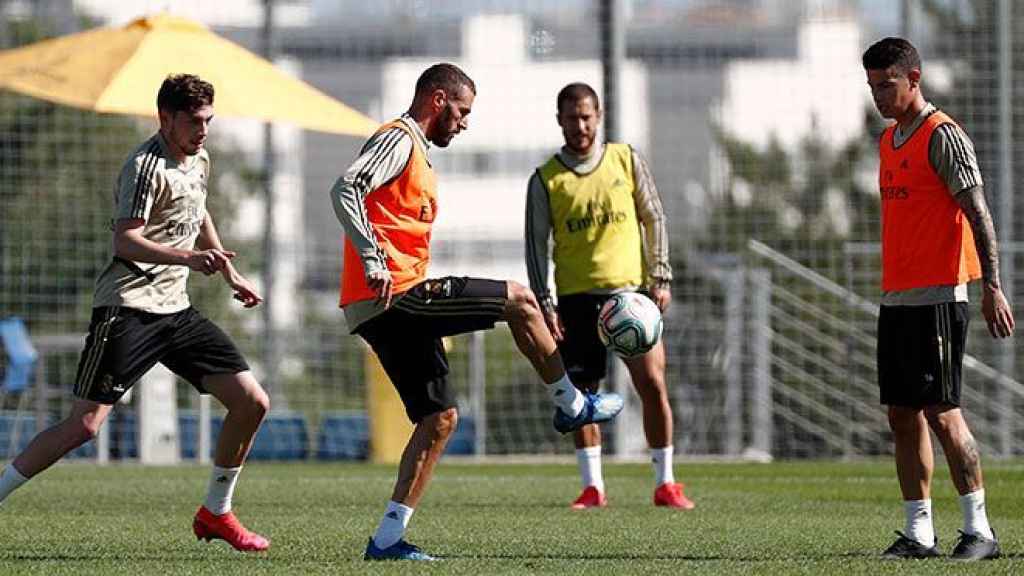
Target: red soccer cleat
{"x": 671, "y": 494}
{"x": 591, "y": 497}
{"x": 209, "y": 526}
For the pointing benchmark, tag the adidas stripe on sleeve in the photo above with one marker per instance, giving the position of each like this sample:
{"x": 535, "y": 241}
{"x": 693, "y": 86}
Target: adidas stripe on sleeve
{"x": 951, "y": 154}
{"x": 138, "y": 185}
{"x": 538, "y": 236}
{"x": 382, "y": 159}
{"x": 652, "y": 216}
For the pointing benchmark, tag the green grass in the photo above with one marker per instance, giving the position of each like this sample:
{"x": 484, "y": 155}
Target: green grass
{"x": 785, "y": 518}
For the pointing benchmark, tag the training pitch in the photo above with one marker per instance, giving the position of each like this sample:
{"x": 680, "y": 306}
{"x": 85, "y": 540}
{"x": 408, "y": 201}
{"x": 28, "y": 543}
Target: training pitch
{"x": 783, "y": 518}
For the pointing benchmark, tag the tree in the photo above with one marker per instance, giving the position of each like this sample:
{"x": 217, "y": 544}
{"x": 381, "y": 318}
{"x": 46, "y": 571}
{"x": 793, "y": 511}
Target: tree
{"x": 807, "y": 202}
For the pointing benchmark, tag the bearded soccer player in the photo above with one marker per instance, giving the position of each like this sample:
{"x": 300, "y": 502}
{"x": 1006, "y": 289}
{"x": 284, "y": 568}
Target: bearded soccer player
{"x": 386, "y": 203}
{"x": 599, "y": 204}
{"x": 937, "y": 235}
{"x": 142, "y": 315}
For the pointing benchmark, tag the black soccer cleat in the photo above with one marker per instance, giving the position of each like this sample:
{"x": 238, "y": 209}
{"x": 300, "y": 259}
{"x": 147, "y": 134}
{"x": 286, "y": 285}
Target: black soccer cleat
{"x": 907, "y": 548}
{"x": 971, "y": 547}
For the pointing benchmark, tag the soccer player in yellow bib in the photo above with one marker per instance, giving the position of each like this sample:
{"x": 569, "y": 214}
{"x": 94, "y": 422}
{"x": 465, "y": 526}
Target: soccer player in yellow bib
{"x": 599, "y": 204}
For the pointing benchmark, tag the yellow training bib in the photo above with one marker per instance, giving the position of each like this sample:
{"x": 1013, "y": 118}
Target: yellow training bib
{"x": 598, "y": 244}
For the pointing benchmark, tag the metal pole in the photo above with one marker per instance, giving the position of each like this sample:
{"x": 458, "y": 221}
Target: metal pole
{"x": 478, "y": 390}
{"x": 4, "y": 34}
{"x": 271, "y": 352}
{"x": 761, "y": 413}
{"x": 733, "y": 344}
{"x": 906, "y": 18}
{"x": 612, "y": 23}
{"x": 1007, "y": 359}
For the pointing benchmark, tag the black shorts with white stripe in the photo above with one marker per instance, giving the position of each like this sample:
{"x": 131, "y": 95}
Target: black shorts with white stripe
{"x": 124, "y": 343}
{"x": 407, "y": 336}
{"x": 920, "y": 354}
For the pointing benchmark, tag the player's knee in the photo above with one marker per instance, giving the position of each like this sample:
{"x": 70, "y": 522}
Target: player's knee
{"x": 446, "y": 422}
{"x": 85, "y": 430}
{"x": 522, "y": 301}
{"x": 902, "y": 420}
{"x": 943, "y": 422}
{"x": 652, "y": 392}
{"x": 259, "y": 403}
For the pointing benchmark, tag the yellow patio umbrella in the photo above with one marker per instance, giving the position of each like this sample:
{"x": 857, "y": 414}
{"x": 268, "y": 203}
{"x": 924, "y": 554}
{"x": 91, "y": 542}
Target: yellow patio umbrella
{"x": 119, "y": 70}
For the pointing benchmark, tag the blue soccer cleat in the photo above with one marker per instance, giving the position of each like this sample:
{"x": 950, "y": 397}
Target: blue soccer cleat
{"x": 596, "y": 408}
{"x": 400, "y": 550}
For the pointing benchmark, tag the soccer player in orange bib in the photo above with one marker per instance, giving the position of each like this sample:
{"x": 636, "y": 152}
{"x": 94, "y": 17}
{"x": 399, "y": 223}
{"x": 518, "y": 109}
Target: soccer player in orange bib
{"x": 937, "y": 235}
{"x": 386, "y": 203}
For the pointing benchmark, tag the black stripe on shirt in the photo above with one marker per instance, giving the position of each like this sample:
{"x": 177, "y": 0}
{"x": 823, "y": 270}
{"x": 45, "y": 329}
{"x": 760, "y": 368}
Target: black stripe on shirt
{"x": 143, "y": 186}
{"x": 389, "y": 141}
{"x": 961, "y": 158}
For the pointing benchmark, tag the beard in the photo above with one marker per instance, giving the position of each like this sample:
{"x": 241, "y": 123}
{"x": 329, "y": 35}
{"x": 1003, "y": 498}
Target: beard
{"x": 440, "y": 136}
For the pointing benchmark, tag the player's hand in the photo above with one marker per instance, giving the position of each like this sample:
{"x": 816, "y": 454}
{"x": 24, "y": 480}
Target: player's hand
{"x": 209, "y": 261}
{"x": 245, "y": 291}
{"x": 379, "y": 281}
{"x": 662, "y": 297}
{"x": 555, "y": 325}
{"x": 996, "y": 311}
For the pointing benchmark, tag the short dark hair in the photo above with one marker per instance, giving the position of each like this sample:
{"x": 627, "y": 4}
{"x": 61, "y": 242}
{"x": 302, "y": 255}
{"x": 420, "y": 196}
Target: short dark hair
{"x": 447, "y": 77}
{"x": 575, "y": 92}
{"x": 184, "y": 93}
{"x": 891, "y": 52}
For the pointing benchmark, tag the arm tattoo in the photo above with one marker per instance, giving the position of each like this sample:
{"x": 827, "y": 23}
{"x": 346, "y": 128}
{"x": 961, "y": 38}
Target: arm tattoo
{"x": 972, "y": 201}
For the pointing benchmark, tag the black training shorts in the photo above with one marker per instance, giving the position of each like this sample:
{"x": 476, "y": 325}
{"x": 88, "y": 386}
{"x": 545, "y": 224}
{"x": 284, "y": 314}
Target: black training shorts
{"x": 124, "y": 343}
{"x": 920, "y": 354}
{"x": 407, "y": 336}
{"x": 584, "y": 355}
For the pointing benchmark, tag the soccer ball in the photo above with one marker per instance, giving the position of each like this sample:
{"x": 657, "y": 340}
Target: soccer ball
{"x": 629, "y": 324}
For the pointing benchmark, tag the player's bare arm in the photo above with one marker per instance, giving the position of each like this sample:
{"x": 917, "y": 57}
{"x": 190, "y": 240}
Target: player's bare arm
{"x": 130, "y": 244}
{"x": 244, "y": 290}
{"x": 994, "y": 306}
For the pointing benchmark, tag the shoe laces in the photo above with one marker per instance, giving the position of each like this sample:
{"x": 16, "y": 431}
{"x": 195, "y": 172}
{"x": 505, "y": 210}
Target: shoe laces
{"x": 906, "y": 542}
{"x": 968, "y": 539}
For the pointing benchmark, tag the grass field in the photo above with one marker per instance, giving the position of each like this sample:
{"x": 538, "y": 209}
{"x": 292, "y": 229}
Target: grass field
{"x": 785, "y": 518}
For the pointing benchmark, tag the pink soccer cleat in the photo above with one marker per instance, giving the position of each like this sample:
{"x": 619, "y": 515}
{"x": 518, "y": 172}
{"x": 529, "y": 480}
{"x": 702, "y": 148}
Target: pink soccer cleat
{"x": 671, "y": 495}
{"x": 209, "y": 526}
{"x": 591, "y": 497}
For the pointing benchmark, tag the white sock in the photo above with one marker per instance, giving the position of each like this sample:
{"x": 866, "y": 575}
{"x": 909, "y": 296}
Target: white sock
{"x": 589, "y": 460}
{"x": 392, "y": 525}
{"x": 975, "y": 518}
{"x": 566, "y": 396}
{"x": 10, "y": 480}
{"x": 221, "y": 488}
{"x": 662, "y": 460}
{"x": 919, "y": 521}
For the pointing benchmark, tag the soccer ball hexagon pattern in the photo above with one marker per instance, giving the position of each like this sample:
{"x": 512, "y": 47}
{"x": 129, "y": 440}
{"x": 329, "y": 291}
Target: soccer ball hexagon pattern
{"x": 629, "y": 324}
